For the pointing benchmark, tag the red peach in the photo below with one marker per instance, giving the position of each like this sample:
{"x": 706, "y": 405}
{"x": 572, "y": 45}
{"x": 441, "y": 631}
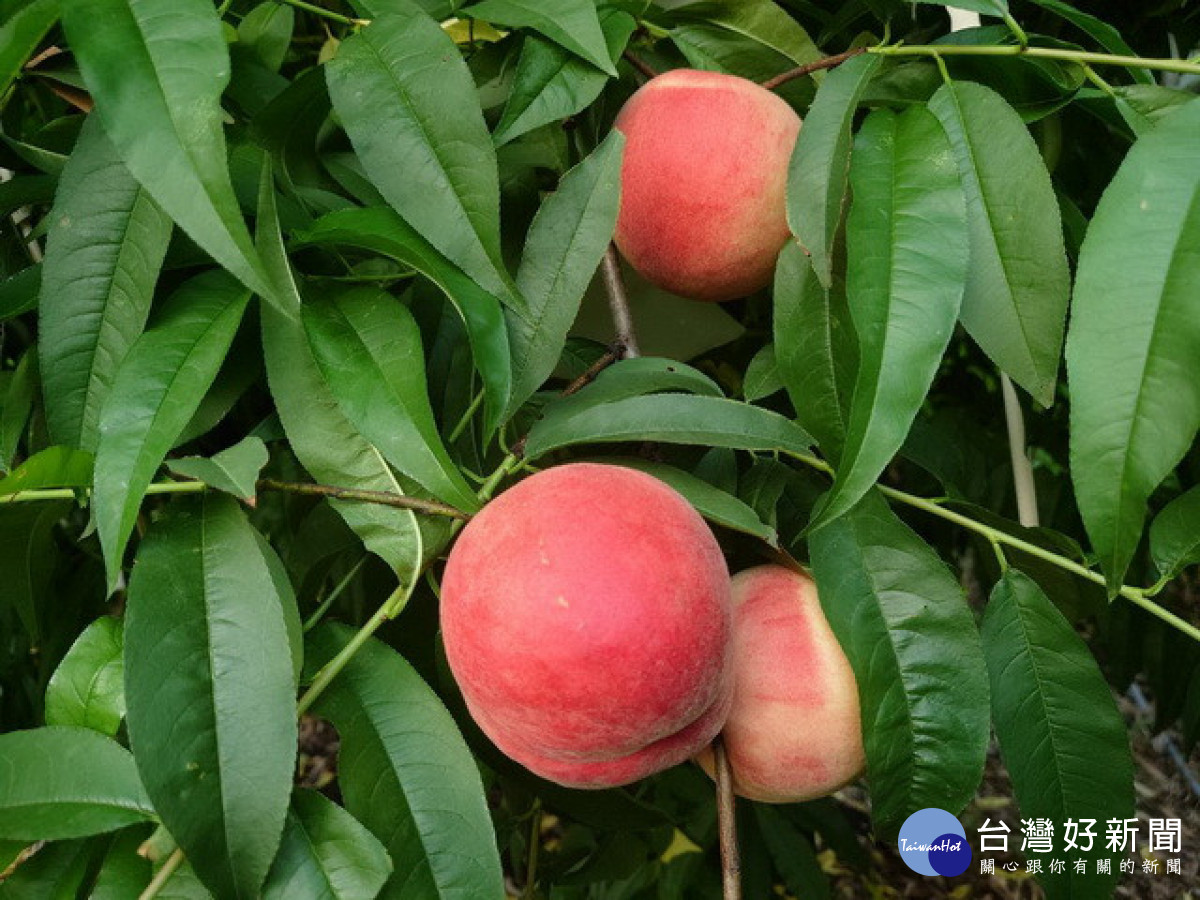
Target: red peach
{"x": 585, "y": 614}
{"x": 703, "y": 183}
{"x": 794, "y": 731}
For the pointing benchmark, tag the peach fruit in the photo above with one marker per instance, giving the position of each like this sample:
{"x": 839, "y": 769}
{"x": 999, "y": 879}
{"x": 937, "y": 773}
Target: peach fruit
{"x": 586, "y": 617}
{"x": 703, "y": 183}
{"x": 794, "y": 730}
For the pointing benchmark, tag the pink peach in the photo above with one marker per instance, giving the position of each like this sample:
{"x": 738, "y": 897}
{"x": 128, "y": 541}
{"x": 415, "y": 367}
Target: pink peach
{"x": 794, "y": 730}
{"x": 585, "y": 614}
{"x": 703, "y": 183}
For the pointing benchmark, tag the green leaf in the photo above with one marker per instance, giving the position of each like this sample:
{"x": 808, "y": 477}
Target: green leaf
{"x": 154, "y": 394}
{"x": 407, "y": 775}
{"x": 287, "y": 603}
{"x": 382, "y": 231}
{"x": 234, "y": 470}
{"x": 907, "y": 245}
{"x": 1132, "y": 364}
{"x": 325, "y": 442}
{"x": 392, "y": 84}
{"x": 670, "y": 418}
{"x": 207, "y": 657}
{"x": 267, "y": 30}
{"x": 760, "y": 21}
{"x": 815, "y": 349}
{"x": 567, "y": 240}
{"x": 762, "y": 375}
{"x": 368, "y": 347}
{"x": 573, "y": 24}
{"x": 372, "y": 9}
{"x": 551, "y": 83}
{"x": 1103, "y": 33}
{"x": 54, "y": 467}
{"x": 820, "y": 164}
{"x": 157, "y": 69}
{"x": 900, "y": 615}
{"x": 27, "y": 558}
{"x": 16, "y": 407}
{"x": 19, "y": 293}
{"x": 87, "y": 688}
{"x": 60, "y": 783}
{"x": 1062, "y": 738}
{"x": 1018, "y": 284}
{"x": 636, "y": 376}
{"x": 1174, "y": 534}
{"x": 793, "y": 854}
{"x": 125, "y": 873}
{"x": 105, "y": 247}
{"x": 325, "y": 854}
{"x": 20, "y": 35}
{"x": 711, "y": 502}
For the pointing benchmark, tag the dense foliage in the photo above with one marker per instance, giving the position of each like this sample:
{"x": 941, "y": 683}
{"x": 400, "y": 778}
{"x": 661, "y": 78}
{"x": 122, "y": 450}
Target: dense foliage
{"x": 304, "y": 290}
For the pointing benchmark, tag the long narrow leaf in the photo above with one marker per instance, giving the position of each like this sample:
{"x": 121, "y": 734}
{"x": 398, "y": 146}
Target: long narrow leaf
{"x": 156, "y": 390}
{"x": 103, "y": 253}
{"x": 566, "y": 241}
{"x": 383, "y": 231}
{"x": 817, "y": 174}
{"x": 368, "y": 347}
{"x": 1018, "y": 284}
{"x": 907, "y": 248}
{"x": 1132, "y": 363}
{"x": 208, "y": 680}
{"x": 407, "y": 774}
{"x": 1063, "y": 739}
{"x": 391, "y": 84}
{"x": 325, "y": 442}
{"x": 902, "y": 619}
{"x": 157, "y": 69}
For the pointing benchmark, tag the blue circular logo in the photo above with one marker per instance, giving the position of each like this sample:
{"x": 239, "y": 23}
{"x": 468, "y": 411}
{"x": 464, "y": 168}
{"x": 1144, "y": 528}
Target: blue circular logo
{"x": 933, "y": 842}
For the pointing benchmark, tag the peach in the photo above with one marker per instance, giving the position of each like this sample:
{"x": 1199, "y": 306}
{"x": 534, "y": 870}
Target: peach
{"x": 794, "y": 731}
{"x": 703, "y": 183}
{"x": 586, "y": 617}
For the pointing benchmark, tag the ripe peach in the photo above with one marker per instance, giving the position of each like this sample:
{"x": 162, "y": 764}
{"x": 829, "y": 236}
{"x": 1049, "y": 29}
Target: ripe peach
{"x": 586, "y": 617}
{"x": 703, "y": 183}
{"x": 794, "y": 730}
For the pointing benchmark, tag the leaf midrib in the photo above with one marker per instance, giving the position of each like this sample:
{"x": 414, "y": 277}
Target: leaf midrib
{"x": 432, "y": 146}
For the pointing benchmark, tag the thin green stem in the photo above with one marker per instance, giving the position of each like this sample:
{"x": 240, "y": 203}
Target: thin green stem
{"x": 383, "y": 498}
{"x": 330, "y": 670}
{"x": 163, "y": 875}
{"x": 1083, "y": 57}
{"x": 326, "y": 13}
{"x": 653, "y": 30}
{"x": 535, "y": 846}
{"x": 1136, "y": 595}
{"x": 337, "y": 591}
{"x": 466, "y": 418}
{"x": 506, "y": 467}
{"x": 1017, "y": 30}
{"x": 998, "y": 538}
{"x": 1099, "y": 82}
{"x": 44, "y": 494}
